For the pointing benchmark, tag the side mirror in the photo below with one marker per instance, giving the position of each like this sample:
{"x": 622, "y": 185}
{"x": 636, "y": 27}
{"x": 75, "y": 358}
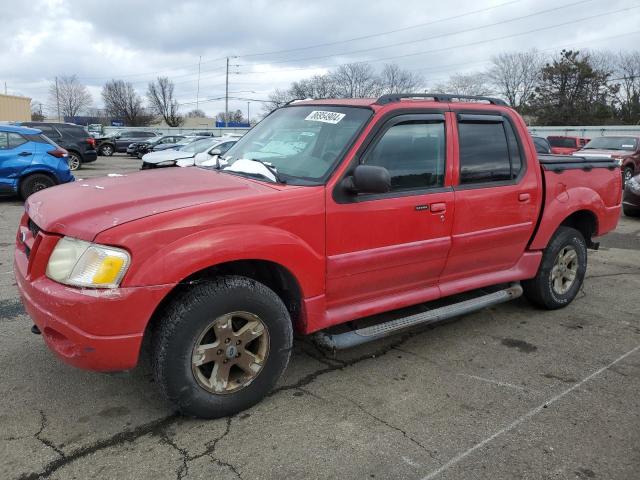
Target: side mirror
{"x": 215, "y": 151}
{"x": 368, "y": 179}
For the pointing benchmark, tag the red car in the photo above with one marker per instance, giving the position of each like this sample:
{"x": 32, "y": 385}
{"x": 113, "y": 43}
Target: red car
{"x": 324, "y": 213}
{"x": 566, "y": 145}
{"x": 625, "y": 150}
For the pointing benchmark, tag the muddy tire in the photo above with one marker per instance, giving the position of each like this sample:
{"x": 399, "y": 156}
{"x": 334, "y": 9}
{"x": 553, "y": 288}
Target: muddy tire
{"x": 34, "y": 183}
{"x": 221, "y": 346}
{"x": 561, "y": 272}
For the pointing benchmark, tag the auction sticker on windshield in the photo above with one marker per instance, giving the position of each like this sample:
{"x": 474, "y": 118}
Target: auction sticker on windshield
{"x": 326, "y": 117}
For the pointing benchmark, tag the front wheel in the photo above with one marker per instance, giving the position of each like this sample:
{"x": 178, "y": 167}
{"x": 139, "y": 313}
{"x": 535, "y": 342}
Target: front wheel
{"x": 561, "y": 271}
{"x": 221, "y": 346}
{"x": 627, "y": 173}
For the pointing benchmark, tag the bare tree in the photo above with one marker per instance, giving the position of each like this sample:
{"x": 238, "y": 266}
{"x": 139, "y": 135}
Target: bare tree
{"x": 465, "y": 84}
{"x": 355, "y": 80}
{"x": 393, "y": 79}
{"x": 515, "y": 76}
{"x": 69, "y": 96}
{"x": 236, "y": 117}
{"x": 123, "y": 102}
{"x": 196, "y": 113}
{"x": 627, "y": 76}
{"x": 36, "y": 111}
{"x": 163, "y": 102}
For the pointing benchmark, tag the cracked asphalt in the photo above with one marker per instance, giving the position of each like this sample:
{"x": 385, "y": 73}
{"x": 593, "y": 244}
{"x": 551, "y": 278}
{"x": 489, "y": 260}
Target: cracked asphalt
{"x": 507, "y": 392}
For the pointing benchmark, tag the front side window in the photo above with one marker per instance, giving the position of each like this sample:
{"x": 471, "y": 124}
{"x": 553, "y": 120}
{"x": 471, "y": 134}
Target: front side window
{"x": 4, "y": 141}
{"x": 413, "y": 153}
{"x": 489, "y": 152}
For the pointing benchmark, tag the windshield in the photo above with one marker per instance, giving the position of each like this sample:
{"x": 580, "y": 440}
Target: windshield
{"x": 199, "y": 146}
{"x": 564, "y": 142}
{"x": 612, "y": 143}
{"x": 300, "y": 142}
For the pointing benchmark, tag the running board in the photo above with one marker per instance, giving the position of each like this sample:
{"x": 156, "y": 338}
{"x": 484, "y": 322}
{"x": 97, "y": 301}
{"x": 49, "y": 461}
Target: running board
{"x": 352, "y": 338}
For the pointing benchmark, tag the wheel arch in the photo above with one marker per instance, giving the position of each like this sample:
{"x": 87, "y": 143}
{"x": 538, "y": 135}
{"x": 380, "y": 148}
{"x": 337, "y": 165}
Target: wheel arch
{"x": 41, "y": 171}
{"x": 274, "y": 275}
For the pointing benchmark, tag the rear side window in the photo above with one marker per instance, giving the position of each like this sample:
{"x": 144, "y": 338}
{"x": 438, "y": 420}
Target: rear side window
{"x": 49, "y": 131}
{"x": 413, "y": 153}
{"x": 15, "y": 140}
{"x": 4, "y": 141}
{"x": 489, "y": 152}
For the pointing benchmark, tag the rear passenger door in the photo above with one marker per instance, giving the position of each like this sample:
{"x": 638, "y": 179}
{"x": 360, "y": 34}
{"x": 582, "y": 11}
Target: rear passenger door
{"x": 496, "y": 196}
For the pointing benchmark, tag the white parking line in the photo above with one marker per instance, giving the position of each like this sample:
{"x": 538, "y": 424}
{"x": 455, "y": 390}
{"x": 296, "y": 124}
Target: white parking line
{"x": 458, "y": 458}
{"x": 496, "y": 382}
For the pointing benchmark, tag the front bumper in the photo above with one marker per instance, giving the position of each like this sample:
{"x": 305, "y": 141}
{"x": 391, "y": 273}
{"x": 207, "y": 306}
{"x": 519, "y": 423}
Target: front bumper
{"x": 88, "y": 328}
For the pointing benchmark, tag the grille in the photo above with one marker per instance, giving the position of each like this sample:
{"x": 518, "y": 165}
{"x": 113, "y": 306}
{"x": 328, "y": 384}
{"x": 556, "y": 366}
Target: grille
{"x": 35, "y": 229}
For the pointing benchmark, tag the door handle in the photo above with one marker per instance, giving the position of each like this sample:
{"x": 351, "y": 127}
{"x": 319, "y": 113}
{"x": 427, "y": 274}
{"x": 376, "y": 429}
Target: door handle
{"x": 524, "y": 197}
{"x": 24, "y": 154}
{"x": 438, "y": 207}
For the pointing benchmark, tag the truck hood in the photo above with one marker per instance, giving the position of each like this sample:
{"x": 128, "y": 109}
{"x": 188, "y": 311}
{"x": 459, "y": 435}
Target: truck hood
{"x": 595, "y": 152}
{"x": 84, "y": 208}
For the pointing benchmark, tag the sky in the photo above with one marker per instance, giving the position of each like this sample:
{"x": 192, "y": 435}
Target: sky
{"x": 273, "y": 43}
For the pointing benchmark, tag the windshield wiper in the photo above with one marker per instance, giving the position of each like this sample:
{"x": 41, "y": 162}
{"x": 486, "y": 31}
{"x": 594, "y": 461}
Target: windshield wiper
{"x": 271, "y": 168}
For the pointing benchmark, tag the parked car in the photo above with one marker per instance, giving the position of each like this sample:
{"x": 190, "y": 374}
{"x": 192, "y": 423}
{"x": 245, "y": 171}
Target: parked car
{"x": 95, "y": 129}
{"x": 30, "y": 162}
{"x": 119, "y": 142}
{"x": 73, "y": 138}
{"x": 561, "y": 145}
{"x": 140, "y": 148}
{"x": 192, "y": 154}
{"x": 178, "y": 145}
{"x": 631, "y": 197}
{"x": 624, "y": 149}
{"x": 542, "y": 145}
{"x": 325, "y": 212}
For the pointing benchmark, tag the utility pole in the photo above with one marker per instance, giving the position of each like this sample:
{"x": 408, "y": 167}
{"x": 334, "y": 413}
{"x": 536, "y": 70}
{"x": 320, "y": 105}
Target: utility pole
{"x": 226, "y": 96}
{"x": 57, "y": 99}
{"x": 198, "y": 91}
{"x": 5, "y": 88}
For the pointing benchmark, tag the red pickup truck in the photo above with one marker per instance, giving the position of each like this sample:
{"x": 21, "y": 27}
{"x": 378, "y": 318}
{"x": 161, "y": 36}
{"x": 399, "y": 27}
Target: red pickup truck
{"x": 324, "y": 213}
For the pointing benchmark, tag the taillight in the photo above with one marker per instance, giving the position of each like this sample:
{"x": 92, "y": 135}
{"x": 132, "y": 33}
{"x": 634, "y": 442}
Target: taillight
{"x": 92, "y": 142}
{"x": 58, "y": 152}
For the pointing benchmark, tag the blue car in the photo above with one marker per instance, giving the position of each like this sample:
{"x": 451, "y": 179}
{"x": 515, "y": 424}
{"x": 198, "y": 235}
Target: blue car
{"x": 29, "y": 161}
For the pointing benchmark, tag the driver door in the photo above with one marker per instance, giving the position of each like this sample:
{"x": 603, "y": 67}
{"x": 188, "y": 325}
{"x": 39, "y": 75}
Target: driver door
{"x": 395, "y": 244}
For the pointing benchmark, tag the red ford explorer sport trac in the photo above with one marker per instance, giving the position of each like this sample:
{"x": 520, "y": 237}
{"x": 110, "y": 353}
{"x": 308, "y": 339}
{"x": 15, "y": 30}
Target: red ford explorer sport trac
{"x": 324, "y": 213}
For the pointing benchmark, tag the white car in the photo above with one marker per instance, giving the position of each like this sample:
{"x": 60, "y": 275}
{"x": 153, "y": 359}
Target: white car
{"x": 193, "y": 154}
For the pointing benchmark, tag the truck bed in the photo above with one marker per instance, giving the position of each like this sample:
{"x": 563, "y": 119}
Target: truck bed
{"x": 574, "y": 183}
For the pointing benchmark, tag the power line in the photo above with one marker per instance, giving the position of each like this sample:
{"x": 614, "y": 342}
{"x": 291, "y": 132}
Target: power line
{"x": 432, "y": 37}
{"x": 388, "y": 32}
{"x": 424, "y": 52}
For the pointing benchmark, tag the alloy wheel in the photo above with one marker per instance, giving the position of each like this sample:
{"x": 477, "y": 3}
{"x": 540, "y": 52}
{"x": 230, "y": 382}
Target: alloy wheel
{"x": 230, "y": 352}
{"x": 565, "y": 270}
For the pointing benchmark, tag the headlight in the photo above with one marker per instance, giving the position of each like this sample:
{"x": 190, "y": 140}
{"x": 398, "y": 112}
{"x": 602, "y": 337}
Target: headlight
{"x": 634, "y": 185}
{"x": 83, "y": 264}
{"x": 166, "y": 163}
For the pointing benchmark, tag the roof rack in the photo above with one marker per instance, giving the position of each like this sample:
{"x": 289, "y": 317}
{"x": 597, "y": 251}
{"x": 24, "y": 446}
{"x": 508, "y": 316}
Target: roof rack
{"x": 437, "y": 97}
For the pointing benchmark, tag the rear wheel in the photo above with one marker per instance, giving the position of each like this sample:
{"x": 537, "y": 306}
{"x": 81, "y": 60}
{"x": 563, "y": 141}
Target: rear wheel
{"x": 221, "y": 346}
{"x": 627, "y": 173}
{"x": 106, "y": 150}
{"x": 34, "y": 183}
{"x": 561, "y": 272}
{"x": 74, "y": 161}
